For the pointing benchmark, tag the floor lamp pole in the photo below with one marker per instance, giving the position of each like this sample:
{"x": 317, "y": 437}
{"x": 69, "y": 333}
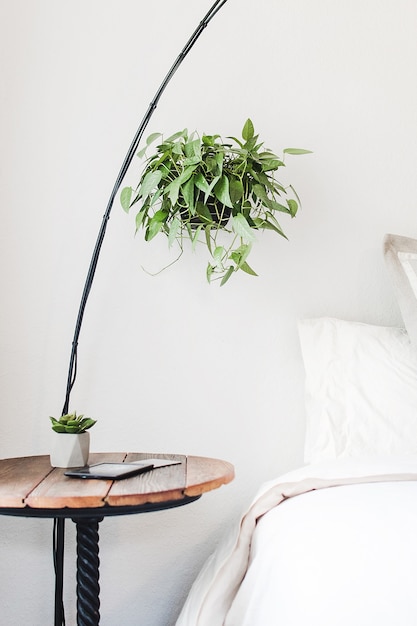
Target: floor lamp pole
{"x": 72, "y": 371}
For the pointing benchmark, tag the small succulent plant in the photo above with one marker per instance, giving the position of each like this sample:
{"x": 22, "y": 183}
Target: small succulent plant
{"x": 71, "y": 423}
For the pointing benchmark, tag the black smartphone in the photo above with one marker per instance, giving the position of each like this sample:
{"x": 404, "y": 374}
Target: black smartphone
{"x": 109, "y": 471}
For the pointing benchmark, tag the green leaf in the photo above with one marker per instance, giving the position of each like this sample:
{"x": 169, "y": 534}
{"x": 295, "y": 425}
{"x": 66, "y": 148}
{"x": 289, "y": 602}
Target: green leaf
{"x": 218, "y": 255}
{"x": 193, "y": 149}
{"x": 271, "y": 219}
{"x": 173, "y": 188}
{"x": 149, "y": 140}
{"x": 85, "y": 424}
{"x": 72, "y": 430}
{"x": 141, "y": 153}
{"x": 276, "y": 206}
{"x": 209, "y": 140}
{"x": 235, "y": 190}
{"x": 211, "y": 164}
{"x": 173, "y": 230}
{"x": 248, "y": 130}
{"x": 160, "y": 216}
{"x": 152, "y": 137}
{"x": 154, "y": 198}
{"x": 139, "y": 219}
{"x": 265, "y": 224}
{"x": 270, "y": 165}
{"x": 278, "y": 189}
{"x": 177, "y": 135}
{"x": 219, "y": 158}
{"x": 297, "y": 151}
{"x": 195, "y": 160}
{"x": 267, "y": 154}
{"x": 195, "y": 236}
{"x": 242, "y": 228}
{"x": 239, "y": 143}
{"x": 125, "y": 198}
{"x": 209, "y": 272}
{"x": 240, "y": 255}
{"x": 201, "y": 183}
{"x": 59, "y": 428}
{"x": 188, "y": 194}
{"x": 177, "y": 148}
{"x": 153, "y": 229}
{"x": 263, "y": 179}
{"x": 221, "y": 191}
{"x": 156, "y": 224}
{"x": 211, "y": 186}
{"x": 150, "y": 181}
{"x": 186, "y": 226}
{"x": 250, "y": 145}
{"x": 208, "y": 238}
{"x": 293, "y": 205}
{"x": 260, "y": 193}
{"x": 246, "y": 268}
{"x": 203, "y": 212}
{"x": 227, "y": 275}
{"x": 295, "y": 194}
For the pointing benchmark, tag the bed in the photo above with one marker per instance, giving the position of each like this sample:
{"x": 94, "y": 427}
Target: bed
{"x": 334, "y": 542}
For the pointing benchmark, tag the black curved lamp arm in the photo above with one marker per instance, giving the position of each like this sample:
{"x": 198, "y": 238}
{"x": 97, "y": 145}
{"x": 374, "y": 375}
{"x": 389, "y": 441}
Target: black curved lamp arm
{"x": 72, "y": 371}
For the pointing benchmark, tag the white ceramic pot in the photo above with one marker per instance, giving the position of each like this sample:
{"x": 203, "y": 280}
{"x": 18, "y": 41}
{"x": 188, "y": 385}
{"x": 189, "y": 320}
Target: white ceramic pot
{"x": 70, "y": 450}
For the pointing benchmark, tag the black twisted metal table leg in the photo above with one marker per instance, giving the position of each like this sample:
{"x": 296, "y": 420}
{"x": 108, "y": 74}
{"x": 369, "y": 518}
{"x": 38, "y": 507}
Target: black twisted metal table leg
{"x": 88, "y": 588}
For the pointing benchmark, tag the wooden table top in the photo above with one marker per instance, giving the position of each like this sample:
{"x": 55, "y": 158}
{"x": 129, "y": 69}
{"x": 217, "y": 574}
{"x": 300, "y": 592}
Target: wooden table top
{"x": 31, "y": 483}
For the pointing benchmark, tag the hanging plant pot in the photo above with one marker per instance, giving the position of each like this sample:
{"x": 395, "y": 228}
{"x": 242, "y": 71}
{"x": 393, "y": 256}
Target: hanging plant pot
{"x": 211, "y": 212}
{"x": 214, "y": 192}
{"x": 70, "y": 450}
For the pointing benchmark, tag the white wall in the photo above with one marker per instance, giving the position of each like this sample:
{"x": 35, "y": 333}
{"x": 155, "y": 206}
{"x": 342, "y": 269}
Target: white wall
{"x": 169, "y": 363}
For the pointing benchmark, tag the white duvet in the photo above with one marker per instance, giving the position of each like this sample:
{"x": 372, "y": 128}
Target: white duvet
{"x": 325, "y": 545}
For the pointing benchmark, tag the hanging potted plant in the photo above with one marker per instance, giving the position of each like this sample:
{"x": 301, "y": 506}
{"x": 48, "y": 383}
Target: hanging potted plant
{"x": 211, "y": 191}
{"x": 72, "y": 441}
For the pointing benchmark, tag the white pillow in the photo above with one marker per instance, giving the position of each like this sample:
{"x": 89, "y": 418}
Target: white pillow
{"x": 361, "y": 390}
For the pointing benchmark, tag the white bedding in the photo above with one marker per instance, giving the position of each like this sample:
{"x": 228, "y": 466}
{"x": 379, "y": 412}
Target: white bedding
{"x": 345, "y": 556}
{"x": 327, "y": 544}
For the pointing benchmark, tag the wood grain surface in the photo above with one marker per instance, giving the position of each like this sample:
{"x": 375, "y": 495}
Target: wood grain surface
{"x": 32, "y": 482}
